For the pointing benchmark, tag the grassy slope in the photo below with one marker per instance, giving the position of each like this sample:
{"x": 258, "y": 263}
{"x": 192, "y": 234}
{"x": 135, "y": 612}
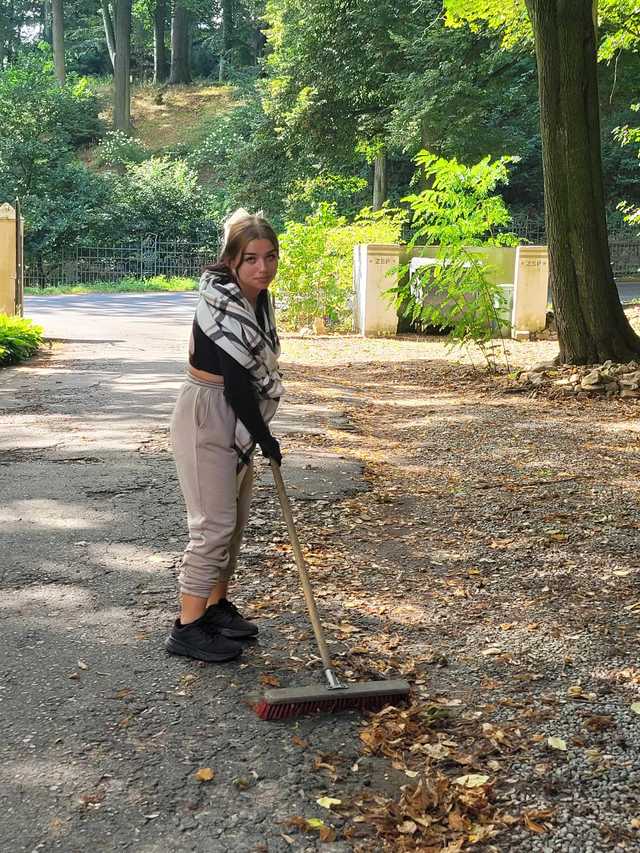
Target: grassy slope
{"x": 179, "y": 120}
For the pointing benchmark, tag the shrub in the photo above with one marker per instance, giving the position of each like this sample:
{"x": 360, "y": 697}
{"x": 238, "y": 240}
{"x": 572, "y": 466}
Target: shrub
{"x": 19, "y": 339}
{"x": 160, "y": 196}
{"x": 117, "y": 149}
{"x": 458, "y": 211}
{"x": 315, "y": 276}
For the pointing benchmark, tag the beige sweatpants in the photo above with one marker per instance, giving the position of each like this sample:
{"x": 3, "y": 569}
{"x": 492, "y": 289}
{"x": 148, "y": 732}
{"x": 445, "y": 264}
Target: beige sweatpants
{"x": 217, "y": 497}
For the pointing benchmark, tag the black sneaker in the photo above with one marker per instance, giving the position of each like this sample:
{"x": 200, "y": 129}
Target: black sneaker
{"x": 224, "y": 618}
{"x": 197, "y": 640}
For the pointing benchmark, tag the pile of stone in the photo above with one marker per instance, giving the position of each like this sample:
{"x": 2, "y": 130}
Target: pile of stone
{"x": 609, "y": 379}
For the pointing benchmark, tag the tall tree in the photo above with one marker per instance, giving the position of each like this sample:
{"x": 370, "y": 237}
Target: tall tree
{"x": 592, "y": 326}
{"x": 226, "y": 28}
{"x": 57, "y": 13}
{"x": 331, "y": 63}
{"x": 109, "y": 31}
{"x": 159, "y": 49}
{"x": 180, "y": 44}
{"x": 121, "y": 89}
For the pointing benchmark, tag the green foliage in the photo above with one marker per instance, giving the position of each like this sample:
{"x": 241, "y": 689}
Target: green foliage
{"x": 347, "y": 193}
{"x": 41, "y": 124}
{"x": 159, "y": 196}
{"x": 154, "y": 284}
{"x": 19, "y": 339}
{"x": 626, "y": 135}
{"x": 456, "y": 212}
{"x": 242, "y": 163}
{"x": 328, "y": 75}
{"x": 620, "y": 27}
{"x": 118, "y": 149}
{"x": 315, "y": 273}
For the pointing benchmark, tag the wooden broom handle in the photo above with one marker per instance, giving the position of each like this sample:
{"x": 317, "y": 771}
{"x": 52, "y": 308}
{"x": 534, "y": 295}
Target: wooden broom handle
{"x": 302, "y": 569}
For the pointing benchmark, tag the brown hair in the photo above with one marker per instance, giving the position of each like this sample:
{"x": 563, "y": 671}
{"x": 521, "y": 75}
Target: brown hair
{"x": 240, "y": 228}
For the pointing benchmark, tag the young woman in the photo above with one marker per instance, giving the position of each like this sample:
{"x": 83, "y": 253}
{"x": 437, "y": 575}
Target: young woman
{"x": 231, "y": 392}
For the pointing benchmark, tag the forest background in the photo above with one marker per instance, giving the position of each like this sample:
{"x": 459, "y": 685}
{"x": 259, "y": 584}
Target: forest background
{"x": 304, "y": 110}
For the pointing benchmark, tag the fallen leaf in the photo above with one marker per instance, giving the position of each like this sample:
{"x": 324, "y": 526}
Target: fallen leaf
{"x": 472, "y": 780}
{"x": 270, "y": 680}
{"x": 123, "y": 693}
{"x": 531, "y": 824}
{"x": 636, "y": 707}
{"x": 327, "y": 802}
{"x": 298, "y": 741}
{"x": 204, "y": 774}
{"x": 407, "y": 827}
{"x": 557, "y": 743}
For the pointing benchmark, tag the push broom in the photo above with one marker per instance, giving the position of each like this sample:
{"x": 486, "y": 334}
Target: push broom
{"x": 291, "y": 702}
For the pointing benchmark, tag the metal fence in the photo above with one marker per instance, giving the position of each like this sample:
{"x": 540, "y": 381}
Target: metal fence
{"x": 152, "y": 256}
{"x": 624, "y": 243}
{"x": 144, "y": 258}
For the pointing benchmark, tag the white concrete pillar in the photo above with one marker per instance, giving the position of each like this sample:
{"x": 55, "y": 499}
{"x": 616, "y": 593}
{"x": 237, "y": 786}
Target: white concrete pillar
{"x": 373, "y": 274}
{"x": 531, "y": 283}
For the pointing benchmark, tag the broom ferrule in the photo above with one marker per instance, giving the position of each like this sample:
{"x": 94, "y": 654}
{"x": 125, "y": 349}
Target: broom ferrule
{"x": 333, "y": 681}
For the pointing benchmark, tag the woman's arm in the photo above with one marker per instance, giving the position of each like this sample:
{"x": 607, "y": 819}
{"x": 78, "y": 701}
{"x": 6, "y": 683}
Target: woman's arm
{"x": 241, "y": 396}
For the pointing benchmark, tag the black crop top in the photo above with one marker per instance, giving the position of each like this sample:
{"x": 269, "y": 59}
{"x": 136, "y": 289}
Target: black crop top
{"x": 204, "y": 354}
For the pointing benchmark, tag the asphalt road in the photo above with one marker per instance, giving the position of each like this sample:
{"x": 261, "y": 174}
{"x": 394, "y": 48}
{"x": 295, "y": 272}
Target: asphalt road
{"x": 101, "y": 732}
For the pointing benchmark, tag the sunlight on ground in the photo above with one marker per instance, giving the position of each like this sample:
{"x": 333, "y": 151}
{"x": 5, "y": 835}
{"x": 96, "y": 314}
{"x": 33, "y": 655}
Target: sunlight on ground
{"x": 333, "y": 350}
{"x": 177, "y": 118}
{"x": 37, "y": 772}
{"x": 45, "y": 514}
{"x": 53, "y": 597}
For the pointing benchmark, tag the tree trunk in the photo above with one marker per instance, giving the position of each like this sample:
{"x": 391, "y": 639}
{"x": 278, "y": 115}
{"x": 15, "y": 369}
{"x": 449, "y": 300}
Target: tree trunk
{"x": 592, "y": 326}
{"x": 159, "y": 50}
{"x": 121, "y": 93}
{"x": 57, "y": 14}
{"x": 109, "y": 32}
{"x": 227, "y": 38}
{"x": 379, "y": 181}
{"x": 47, "y": 34}
{"x": 180, "y": 34}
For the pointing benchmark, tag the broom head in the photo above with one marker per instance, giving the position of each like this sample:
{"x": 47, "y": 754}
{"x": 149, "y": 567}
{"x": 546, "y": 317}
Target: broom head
{"x": 367, "y": 696}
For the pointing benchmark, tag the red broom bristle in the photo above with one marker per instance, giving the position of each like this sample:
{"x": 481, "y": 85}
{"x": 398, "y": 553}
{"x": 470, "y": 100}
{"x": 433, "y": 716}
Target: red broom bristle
{"x": 266, "y": 711}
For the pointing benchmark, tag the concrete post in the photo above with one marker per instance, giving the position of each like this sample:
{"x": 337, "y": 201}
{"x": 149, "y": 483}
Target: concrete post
{"x": 531, "y": 284}
{"x": 374, "y": 313}
{"x": 7, "y": 259}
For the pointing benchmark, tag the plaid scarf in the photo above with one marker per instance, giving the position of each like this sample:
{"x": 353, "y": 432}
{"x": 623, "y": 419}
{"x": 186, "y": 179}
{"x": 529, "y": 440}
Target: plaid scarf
{"x": 227, "y": 318}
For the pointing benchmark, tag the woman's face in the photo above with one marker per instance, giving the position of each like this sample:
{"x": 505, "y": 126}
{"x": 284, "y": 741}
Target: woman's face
{"x": 256, "y": 267}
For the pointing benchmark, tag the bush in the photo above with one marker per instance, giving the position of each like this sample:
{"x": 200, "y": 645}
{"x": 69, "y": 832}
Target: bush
{"x": 118, "y": 150}
{"x": 19, "y": 339}
{"x": 160, "y": 196}
{"x": 243, "y": 163}
{"x": 458, "y": 211}
{"x": 41, "y": 125}
{"x": 315, "y": 276}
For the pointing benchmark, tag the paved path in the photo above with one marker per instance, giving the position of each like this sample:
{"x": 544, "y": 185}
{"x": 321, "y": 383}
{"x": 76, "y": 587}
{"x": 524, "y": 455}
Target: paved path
{"x": 102, "y": 732}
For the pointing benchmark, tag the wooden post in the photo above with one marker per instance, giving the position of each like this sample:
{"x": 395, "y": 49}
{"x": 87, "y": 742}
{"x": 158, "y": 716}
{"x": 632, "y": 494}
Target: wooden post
{"x": 8, "y": 243}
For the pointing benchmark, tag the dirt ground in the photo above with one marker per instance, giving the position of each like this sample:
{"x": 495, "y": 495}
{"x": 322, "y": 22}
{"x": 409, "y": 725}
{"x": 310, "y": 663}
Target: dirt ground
{"x": 493, "y": 562}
